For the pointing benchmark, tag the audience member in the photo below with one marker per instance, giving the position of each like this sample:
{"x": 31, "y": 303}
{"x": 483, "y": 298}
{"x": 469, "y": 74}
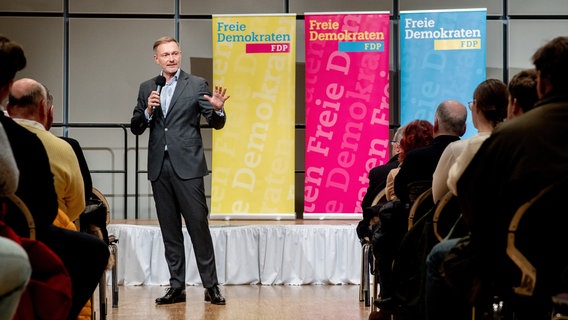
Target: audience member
{"x": 417, "y": 134}
{"x": 28, "y": 106}
{"x": 377, "y": 182}
{"x": 417, "y": 167}
{"x": 378, "y": 175}
{"x": 419, "y": 164}
{"x": 520, "y": 158}
{"x": 388, "y": 233}
{"x": 522, "y": 93}
{"x": 9, "y": 172}
{"x": 84, "y": 256}
{"x": 15, "y": 268}
{"x": 488, "y": 108}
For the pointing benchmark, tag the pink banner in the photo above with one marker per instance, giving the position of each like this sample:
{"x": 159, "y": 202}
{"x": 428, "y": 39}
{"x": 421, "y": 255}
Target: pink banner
{"x": 347, "y": 109}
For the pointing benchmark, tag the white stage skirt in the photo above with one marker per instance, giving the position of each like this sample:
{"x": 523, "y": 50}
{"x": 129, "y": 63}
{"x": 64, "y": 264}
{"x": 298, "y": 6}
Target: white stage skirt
{"x": 251, "y": 254}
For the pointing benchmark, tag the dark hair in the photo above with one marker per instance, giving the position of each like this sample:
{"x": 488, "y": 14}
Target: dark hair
{"x": 491, "y": 99}
{"x": 552, "y": 62}
{"x": 418, "y": 133}
{"x": 12, "y": 60}
{"x": 523, "y": 88}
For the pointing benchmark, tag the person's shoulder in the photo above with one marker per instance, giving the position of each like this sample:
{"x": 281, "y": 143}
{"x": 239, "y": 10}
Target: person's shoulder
{"x": 71, "y": 141}
{"x": 455, "y": 147}
{"x": 384, "y": 168}
{"x": 419, "y": 152}
{"x": 191, "y": 77}
{"x": 148, "y": 84}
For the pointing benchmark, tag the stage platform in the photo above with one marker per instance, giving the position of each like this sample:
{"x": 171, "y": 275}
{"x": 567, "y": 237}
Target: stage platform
{"x": 291, "y": 252}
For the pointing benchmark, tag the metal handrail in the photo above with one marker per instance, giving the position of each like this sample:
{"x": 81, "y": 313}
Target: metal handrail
{"x": 122, "y": 126}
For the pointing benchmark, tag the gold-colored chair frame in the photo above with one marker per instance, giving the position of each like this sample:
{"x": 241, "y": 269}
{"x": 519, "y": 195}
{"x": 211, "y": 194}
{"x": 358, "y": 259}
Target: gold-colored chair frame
{"x": 19, "y": 203}
{"x": 438, "y": 212}
{"x": 529, "y": 276}
{"x": 416, "y": 205}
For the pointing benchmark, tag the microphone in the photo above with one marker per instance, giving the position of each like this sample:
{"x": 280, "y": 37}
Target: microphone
{"x": 160, "y": 83}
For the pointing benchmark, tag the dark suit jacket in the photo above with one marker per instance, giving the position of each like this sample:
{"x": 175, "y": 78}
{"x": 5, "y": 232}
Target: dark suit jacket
{"x": 419, "y": 165}
{"x": 85, "y": 172}
{"x": 180, "y": 130}
{"x": 35, "y": 186}
{"x": 378, "y": 180}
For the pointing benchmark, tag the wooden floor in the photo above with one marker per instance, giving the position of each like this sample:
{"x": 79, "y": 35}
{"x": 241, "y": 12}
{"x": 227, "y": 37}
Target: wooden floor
{"x": 247, "y": 302}
{"x": 250, "y": 302}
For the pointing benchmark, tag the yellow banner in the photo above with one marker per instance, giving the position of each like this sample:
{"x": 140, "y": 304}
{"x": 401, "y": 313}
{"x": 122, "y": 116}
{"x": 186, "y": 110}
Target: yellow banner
{"x": 254, "y": 57}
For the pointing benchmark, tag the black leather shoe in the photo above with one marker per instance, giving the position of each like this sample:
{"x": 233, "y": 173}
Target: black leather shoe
{"x": 214, "y": 295}
{"x": 172, "y": 295}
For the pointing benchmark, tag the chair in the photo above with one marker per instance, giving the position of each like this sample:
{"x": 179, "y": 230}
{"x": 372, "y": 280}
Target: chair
{"x": 446, "y": 221}
{"x": 367, "y": 264}
{"x": 98, "y": 228}
{"x": 48, "y": 292}
{"x": 560, "y": 307}
{"x": 420, "y": 206}
{"x": 25, "y": 211}
{"x": 536, "y": 245}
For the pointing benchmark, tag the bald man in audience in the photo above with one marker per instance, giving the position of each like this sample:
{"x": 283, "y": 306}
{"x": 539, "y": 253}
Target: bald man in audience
{"x": 28, "y": 105}
{"x": 85, "y": 256}
{"x": 419, "y": 164}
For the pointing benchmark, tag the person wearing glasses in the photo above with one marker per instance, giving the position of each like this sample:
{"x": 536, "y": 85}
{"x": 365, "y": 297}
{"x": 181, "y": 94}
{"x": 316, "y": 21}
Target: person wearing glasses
{"x": 377, "y": 182}
{"x": 172, "y": 109}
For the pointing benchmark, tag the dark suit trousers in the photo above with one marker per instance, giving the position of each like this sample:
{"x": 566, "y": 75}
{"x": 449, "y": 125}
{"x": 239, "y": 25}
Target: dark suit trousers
{"x": 85, "y": 257}
{"x": 173, "y": 196}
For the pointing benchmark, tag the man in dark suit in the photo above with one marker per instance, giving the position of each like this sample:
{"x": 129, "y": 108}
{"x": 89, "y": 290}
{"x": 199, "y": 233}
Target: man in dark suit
{"x": 177, "y": 165}
{"x": 377, "y": 183}
{"x": 419, "y": 164}
{"x": 378, "y": 175}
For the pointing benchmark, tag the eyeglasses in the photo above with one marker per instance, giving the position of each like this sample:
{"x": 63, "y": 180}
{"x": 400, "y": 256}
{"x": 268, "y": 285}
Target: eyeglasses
{"x": 167, "y": 55}
{"x": 394, "y": 141}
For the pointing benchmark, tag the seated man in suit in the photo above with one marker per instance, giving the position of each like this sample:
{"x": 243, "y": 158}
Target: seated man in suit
{"x": 377, "y": 182}
{"x": 419, "y": 164}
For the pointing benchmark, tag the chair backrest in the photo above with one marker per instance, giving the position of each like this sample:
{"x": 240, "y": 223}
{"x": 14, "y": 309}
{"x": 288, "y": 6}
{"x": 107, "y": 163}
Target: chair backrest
{"x": 420, "y": 206}
{"x": 381, "y": 197}
{"x": 536, "y": 242}
{"x": 96, "y": 217}
{"x": 446, "y": 217}
{"x": 25, "y": 211}
{"x": 101, "y": 197}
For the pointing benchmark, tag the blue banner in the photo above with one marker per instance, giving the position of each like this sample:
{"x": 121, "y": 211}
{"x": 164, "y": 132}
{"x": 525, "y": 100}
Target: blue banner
{"x": 442, "y": 57}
